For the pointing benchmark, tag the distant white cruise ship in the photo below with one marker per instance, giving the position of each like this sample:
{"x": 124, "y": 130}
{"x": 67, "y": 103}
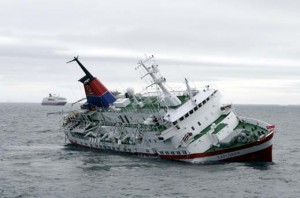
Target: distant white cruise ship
{"x": 54, "y": 100}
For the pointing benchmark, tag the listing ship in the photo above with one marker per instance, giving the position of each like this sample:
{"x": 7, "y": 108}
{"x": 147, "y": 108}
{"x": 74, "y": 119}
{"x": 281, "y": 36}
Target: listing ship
{"x": 54, "y": 100}
{"x": 190, "y": 126}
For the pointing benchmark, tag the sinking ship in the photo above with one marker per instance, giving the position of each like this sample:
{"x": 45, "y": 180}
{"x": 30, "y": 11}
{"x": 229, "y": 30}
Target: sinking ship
{"x": 190, "y": 125}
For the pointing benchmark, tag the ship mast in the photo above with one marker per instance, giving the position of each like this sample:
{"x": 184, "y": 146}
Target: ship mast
{"x": 169, "y": 99}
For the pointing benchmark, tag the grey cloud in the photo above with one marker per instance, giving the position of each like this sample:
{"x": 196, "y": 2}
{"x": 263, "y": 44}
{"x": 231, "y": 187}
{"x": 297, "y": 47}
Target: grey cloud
{"x": 205, "y": 40}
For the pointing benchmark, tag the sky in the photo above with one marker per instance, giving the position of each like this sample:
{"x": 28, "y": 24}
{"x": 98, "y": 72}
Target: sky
{"x": 248, "y": 49}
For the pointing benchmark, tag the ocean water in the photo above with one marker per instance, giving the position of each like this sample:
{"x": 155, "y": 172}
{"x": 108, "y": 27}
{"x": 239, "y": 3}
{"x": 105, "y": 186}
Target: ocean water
{"x": 35, "y": 161}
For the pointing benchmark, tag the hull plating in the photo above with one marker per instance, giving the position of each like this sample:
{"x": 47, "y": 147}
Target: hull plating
{"x": 257, "y": 151}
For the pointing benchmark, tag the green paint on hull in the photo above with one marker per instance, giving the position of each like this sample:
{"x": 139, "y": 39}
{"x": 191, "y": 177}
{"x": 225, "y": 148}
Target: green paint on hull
{"x": 207, "y": 129}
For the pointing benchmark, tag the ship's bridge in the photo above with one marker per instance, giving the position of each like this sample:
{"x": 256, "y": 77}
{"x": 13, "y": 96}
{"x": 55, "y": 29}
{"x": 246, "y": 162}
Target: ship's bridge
{"x": 195, "y": 103}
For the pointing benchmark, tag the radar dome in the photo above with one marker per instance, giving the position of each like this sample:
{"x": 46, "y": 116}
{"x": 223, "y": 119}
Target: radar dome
{"x": 130, "y": 91}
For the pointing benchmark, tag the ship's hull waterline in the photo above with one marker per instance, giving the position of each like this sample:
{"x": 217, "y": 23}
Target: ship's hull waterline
{"x": 259, "y": 151}
{"x": 54, "y": 103}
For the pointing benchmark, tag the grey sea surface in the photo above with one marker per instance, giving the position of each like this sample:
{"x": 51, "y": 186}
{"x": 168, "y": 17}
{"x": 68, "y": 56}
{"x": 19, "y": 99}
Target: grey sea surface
{"x": 35, "y": 161}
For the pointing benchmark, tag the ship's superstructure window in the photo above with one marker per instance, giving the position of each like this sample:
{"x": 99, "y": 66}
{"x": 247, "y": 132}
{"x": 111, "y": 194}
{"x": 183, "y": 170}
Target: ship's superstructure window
{"x": 178, "y": 152}
{"x": 191, "y": 111}
{"x": 184, "y": 152}
{"x": 172, "y": 153}
{"x": 204, "y": 101}
{"x": 200, "y": 105}
{"x": 181, "y": 118}
{"x": 193, "y": 128}
{"x": 177, "y": 127}
{"x": 199, "y": 123}
{"x": 186, "y": 115}
{"x": 175, "y": 122}
{"x": 196, "y": 108}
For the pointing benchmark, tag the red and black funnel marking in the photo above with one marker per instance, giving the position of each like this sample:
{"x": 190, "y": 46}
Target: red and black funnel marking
{"x": 96, "y": 93}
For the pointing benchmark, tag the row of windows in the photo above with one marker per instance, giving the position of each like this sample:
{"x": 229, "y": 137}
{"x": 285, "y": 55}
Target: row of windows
{"x": 112, "y": 148}
{"x": 193, "y": 128}
{"x": 172, "y": 153}
{"x": 147, "y": 150}
{"x": 153, "y": 140}
{"x": 195, "y": 109}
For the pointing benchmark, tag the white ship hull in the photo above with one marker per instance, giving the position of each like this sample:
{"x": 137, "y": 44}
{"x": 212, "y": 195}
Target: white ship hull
{"x": 54, "y": 101}
{"x": 253, "y": 152}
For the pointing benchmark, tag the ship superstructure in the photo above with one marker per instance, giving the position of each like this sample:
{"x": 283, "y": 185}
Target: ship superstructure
{"x": 190, "y": 125}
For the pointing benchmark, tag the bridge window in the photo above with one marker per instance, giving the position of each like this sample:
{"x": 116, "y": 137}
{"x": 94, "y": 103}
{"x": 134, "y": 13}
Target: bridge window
{"x": 196, "y": 108}
{"x": 200, "y": 105}
{"x": 186, "y": 115}
{"x": 175, "y": 122}
{"x": 181, "y": 118}
{"x": 191, "y": 111}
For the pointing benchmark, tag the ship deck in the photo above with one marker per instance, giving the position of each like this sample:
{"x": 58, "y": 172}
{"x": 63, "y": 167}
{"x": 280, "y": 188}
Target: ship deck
{"x": 247, "y": 127}
{"x": 151, "y": 105}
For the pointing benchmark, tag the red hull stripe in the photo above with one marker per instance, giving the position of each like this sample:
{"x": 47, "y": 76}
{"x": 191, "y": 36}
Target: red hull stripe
{"x": 200, "y": 155}
{"x": 264, "y": 155}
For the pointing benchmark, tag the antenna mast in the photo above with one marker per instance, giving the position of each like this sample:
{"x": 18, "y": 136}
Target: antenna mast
{"x": 151, "y": 68}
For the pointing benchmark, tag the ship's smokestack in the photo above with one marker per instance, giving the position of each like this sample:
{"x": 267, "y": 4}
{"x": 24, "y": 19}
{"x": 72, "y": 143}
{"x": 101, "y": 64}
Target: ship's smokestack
{"x": 96, "y": 93}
